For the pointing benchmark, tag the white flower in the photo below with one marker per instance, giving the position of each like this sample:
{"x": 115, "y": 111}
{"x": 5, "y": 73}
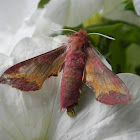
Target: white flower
{"x": 13, "y": 15}
{"x": 70, "y": 12}
{"x": 28, "y": 116}
{"x": 137, "y": 6}
{"x": 36, "y": 115}
{"x": 114, "y": 10}
{"x": 43, "y": 26}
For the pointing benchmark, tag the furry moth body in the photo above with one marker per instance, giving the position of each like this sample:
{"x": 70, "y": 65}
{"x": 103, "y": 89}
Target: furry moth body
{"x": 80, "y": 65}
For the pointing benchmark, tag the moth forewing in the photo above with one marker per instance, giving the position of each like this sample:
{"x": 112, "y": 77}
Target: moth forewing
{"x": 109, "y": 89}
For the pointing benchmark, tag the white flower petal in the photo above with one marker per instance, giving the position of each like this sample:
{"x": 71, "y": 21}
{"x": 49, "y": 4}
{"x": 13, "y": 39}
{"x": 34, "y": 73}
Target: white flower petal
{"x": 71, "y": 12}
{"x": 28, "y": 116}
{"x": 137, "y": 6}
{"x": 94, "y": 120}
{"x": 42, "y": 25}
{"x": 31, "y": 47}
{"x": 36, "y": 115}
{"x": 129, "y": 136}
{"x": 114, "y": 10}
{"x": 5, "y": 62}
{"x": 13, "y": 14}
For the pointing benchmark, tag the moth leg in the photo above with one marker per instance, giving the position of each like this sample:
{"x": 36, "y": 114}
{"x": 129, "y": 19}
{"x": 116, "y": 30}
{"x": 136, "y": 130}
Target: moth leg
{"x": 70, "y": 110}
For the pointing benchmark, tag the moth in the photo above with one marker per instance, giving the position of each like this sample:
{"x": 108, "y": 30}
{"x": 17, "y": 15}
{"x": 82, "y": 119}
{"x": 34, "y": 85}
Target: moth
{"x": 80, "y": 64}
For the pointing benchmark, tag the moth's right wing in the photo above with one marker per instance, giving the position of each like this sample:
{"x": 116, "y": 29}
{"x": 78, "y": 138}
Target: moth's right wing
{"x": 109, "y": 89}
{"x": 29, "y": 75}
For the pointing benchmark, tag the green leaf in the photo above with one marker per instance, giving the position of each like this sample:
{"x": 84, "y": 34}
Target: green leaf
{"x": 118, "y": 30}
{"x": 42, "y": 3}
{"x": 129, "y": 5}
{"x": 117, "y": 50}
{"x": 125, "y": 35}
{"x": 133, "y": 59}
{"x": 93, "y": 20}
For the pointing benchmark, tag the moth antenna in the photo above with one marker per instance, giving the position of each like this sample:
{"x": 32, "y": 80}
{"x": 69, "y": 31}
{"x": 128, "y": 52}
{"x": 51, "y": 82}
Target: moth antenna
{"x": 102, "y": 35}
{"x": 64, "y": 30}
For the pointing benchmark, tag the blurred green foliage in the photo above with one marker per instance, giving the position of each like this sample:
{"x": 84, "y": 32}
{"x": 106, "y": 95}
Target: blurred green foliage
{"x": 129, "y": 5}
{"x": 123, "y": 53}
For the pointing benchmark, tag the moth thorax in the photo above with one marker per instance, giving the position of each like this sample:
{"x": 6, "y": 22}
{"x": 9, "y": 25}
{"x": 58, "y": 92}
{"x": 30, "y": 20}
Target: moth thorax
{"x": 83, "y": 32}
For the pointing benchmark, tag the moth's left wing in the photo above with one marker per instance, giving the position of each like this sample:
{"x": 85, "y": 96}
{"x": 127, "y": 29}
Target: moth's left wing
{"x": 29, "y": 75}
{"x": 109, "y": 89}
